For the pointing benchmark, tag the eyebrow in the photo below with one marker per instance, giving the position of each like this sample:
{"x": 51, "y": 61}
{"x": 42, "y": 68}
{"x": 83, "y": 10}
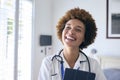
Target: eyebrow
{"x": 78, "y": 26}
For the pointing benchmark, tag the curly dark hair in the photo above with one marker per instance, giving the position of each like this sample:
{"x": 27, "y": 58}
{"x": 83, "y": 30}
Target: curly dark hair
{"x": 86, "y": 18}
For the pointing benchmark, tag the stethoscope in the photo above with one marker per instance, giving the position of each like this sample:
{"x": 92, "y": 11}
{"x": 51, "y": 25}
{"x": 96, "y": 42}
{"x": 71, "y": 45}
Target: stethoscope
{"x": 60, "y": 59}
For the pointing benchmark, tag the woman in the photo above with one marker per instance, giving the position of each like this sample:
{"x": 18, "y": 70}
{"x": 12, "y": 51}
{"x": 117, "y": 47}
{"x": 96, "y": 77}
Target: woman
{"x": 76, "y": 30}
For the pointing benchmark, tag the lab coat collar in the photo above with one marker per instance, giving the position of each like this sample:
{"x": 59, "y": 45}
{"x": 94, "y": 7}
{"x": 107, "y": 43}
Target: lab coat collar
{"x": 81, "y": 59}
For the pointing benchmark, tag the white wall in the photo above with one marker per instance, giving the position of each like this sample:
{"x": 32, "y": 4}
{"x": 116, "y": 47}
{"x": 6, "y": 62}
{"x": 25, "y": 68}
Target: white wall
{"x": 46, "y": 16}
{"x": 42, "y": 25}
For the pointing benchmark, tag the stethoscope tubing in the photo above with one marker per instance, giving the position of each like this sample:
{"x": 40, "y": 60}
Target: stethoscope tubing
{"x": 87, "y": 60}
{"x": 60, "y": 59}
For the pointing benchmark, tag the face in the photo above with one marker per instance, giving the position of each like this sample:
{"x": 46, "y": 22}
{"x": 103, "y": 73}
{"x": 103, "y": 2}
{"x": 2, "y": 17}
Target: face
{"x": 73, "y": 33}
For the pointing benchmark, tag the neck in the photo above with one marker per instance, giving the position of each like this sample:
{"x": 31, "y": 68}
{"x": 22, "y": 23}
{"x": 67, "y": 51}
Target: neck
{"x": 71, "y": 56}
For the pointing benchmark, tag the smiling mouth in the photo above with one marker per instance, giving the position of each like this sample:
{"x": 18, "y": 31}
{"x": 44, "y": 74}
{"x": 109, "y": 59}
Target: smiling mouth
{"x": 70, "y": 38}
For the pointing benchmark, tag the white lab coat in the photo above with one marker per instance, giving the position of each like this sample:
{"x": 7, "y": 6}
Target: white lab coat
{"x": 51, "y": 70}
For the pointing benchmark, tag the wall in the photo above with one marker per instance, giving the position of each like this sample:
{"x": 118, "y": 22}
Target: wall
{"x": 42, "y": 25}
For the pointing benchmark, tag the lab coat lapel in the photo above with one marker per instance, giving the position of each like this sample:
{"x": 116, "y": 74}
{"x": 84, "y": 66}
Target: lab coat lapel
{"x": 80, "y": 59}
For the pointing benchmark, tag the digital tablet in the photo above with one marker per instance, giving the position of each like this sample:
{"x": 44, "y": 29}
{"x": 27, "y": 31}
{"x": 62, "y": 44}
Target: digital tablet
{"x": 73, "y": 74}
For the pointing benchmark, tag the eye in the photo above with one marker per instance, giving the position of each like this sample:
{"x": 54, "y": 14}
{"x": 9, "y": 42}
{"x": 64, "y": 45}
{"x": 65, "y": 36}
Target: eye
{"x": 78, "y": 30}
{"x": 67, "y": 27}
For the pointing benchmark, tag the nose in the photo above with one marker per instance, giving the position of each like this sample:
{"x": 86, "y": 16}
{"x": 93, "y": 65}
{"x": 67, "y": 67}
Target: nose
{"x": 72, "y": 31}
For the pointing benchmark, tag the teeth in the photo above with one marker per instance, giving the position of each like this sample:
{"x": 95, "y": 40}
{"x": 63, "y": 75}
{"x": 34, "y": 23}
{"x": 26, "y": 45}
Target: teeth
{"x": 71, "y": 38}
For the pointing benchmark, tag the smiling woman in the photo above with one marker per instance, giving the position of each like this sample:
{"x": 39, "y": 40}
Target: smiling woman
{"x": 76, "y": 30}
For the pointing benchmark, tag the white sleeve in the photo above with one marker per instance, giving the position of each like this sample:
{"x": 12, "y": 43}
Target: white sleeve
{"x": 45, "y": 70}
{"x": 96, "y": 68}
